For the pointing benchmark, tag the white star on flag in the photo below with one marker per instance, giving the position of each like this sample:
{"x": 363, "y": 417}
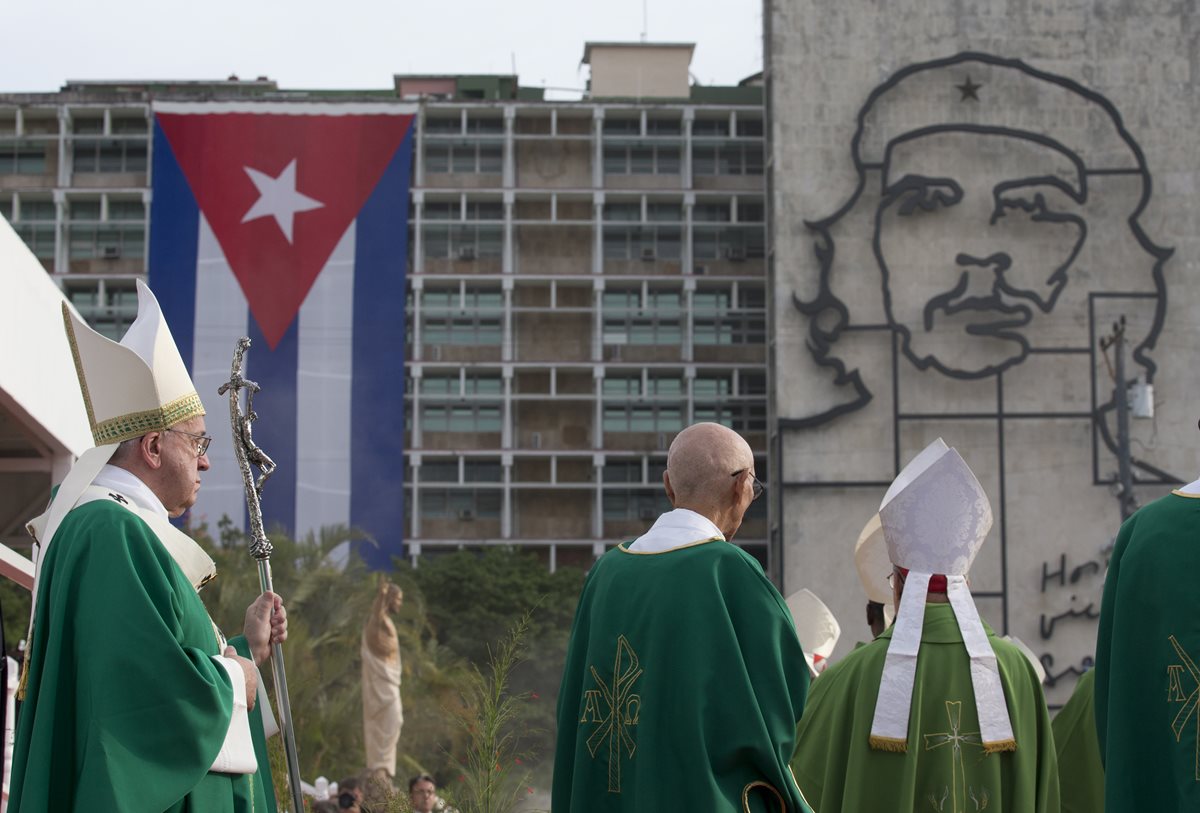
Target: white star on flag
{"x": 278, "y": 198}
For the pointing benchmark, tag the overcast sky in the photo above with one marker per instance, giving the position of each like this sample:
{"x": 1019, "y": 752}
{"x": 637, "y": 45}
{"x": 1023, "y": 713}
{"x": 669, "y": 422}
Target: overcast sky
{"x": 359, "y": 43}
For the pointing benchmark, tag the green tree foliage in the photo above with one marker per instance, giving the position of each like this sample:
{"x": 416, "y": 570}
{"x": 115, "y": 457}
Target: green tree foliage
{"x": 475, "y": 600}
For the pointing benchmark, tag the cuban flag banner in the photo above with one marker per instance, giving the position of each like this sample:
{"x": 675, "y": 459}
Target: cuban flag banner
{"x": 288, "y": 223}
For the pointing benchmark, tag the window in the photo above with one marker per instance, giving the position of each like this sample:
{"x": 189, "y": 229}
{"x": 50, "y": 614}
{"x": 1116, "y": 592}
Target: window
{"x": 622, "y": 386}
{"x": 126, "y": 210}
{"x": 460, "y": 417}
{"x": 710, "y": 127}
{"x": 485, "y": 126}
{"x": 627, "y": 322}
{"x": 752, "y": 384}
{"x": 130, "y": 125}
{"x": 711, "y": 212}
{"x": 642, "y": 242}
{"x": 664, "y": 386}
{"x": 482, "y": 471}
{"x": 641, "y": 159}
{"x": 642, "y": 418}
{"x": 623, "y": 471}
{"x": 751, "y": 212}
{"x": 106, "y": 240}
{"x": 461, "y": 330}
{"x": 640, "y": 504}
{"x": 630, "y": 212}
{"x": 452, "y": 386}
{"x": 443, "y": 126}
{"x": 109, "y": 155}
{"x": 735, "y": 243}
{"x": 664, "y": 213}
{"x": 6, "y": 208}
{"x": 37, "y": 210}
{"x": 109, "y": 306}
{"x": 460, "y": 503}
{"x": 739, "y": 416}
{"x": 440, "y": 471}
{"x": 22, "y": 158}
{"x": 39, "y": 237}
{"x": 465, "y": 157}
{"x": 731, "y": 328}
{"x": 473, "y": 298}
{"x": 622, "y": 126}
{"x": 727, "y": 159}
{"x": 712, "y": 386}
{"x": 463, "y": 242}
{"x": 717, "y": 322}
{"x": 664, "y": 127}
{"x": 749, "y": 128}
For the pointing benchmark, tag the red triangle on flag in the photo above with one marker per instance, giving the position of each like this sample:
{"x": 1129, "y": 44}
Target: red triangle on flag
{"x": 256, "y": 176}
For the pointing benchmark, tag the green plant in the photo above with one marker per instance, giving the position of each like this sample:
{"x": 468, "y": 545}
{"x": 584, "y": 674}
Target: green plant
{"x": 494, "y": 776}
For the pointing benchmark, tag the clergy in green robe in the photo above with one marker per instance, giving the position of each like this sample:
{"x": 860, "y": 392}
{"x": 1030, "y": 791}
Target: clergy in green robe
{"x": 1147, "y": 656}
{"x": 132, "y": 699}
{"x": 125, "y": 707}
{"x": 936, "y": 713}
{"x": 684, "y": 676}
{"x": 944, "y": 767}
{"x": 1080, "y": 772}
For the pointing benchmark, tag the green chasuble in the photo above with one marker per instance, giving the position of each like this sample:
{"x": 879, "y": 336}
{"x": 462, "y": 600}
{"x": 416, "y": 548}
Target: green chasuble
{"x": 944, "y": 768}
{"x": 1147, "y": 656}
{"x": 683, "y": 683}
{"x": 125, "y": 710}
{"x": 1081, "y": 776}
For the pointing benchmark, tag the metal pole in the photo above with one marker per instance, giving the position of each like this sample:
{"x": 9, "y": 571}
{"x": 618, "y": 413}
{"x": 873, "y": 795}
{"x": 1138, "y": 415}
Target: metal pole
{"x": 247, "y": 452}
{"x": 1121, "y": 396}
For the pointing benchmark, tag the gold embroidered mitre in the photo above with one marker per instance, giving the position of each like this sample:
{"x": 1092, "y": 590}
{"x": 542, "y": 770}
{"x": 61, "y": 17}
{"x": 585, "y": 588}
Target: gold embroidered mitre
{"x": 134, "y": 386}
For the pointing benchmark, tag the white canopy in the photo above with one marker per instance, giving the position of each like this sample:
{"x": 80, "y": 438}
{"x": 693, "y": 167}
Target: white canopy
{"x": 43, "y": 425}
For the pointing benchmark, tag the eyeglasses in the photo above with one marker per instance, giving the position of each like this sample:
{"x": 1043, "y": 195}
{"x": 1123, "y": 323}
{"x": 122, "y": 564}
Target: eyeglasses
{"x": 202, "y": 441}
{"x": 758, "y": 486}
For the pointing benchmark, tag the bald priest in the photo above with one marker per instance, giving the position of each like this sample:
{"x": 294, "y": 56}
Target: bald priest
{"x": 684, "y": 676}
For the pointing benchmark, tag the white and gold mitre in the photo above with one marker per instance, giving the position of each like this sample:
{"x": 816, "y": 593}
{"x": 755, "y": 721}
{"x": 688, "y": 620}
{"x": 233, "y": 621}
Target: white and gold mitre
{"x": 935, "y": 515}
{"x": 874, "y": 567}
{"x": 816, "y": 627}
{"x": 934, "y": 518}
{"x": 134, "y": 386}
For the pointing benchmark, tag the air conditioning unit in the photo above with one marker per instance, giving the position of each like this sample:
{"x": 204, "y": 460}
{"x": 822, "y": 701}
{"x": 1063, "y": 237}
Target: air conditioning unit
{"x": 466, "y": 253}
{"x": 466, "y": 514}
{"x": 735, "y": 253}
{"x": 535, "y": 440}
{"x": 662, "y": 440}
{"x": 648, "y": 253}
{"x": 110, "y": 252}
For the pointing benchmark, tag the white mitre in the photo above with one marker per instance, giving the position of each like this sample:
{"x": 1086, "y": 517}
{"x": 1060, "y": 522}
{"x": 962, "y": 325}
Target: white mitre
{"x": 875, "y": 568}
{"x": 935, "y": 517}
{"x": 129, "y": 388}
{"x": 816, "y": 627}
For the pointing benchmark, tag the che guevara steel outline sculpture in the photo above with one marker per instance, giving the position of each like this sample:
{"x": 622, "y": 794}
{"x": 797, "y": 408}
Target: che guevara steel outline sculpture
{"x": 829, "y": 316}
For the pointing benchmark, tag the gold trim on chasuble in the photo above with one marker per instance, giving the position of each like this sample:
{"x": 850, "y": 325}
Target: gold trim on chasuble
{"x": 624, "y": 549}
{"x": 623, "y": 710}
{"x": 1175, "y": 694}
{"x": 958, "y": 790}
{"x": 761, "y": 784}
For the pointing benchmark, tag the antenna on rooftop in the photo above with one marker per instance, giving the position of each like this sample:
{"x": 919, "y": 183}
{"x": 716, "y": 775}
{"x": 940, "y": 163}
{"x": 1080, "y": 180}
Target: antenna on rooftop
{"x": 644, "y": 26}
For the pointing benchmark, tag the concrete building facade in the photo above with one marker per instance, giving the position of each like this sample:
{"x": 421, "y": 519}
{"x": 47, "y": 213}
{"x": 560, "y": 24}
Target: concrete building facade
{"x": 585, "y": 279}
{"x": 966, "y": 198}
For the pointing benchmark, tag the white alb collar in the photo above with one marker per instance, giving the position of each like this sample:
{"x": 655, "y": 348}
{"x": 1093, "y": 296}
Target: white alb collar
{"x": 130, "y": 485}
{"x": 675, "y": 529}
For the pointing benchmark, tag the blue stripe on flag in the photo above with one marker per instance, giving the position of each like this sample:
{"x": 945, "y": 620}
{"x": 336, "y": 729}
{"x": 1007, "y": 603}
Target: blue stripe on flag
{"x": 175, "y": 221}
{"x": 377, "y": 387}
{"x": 275, "y": 371}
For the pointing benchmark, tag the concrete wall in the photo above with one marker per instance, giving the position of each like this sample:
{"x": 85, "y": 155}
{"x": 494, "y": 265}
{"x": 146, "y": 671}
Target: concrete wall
{"x": 1017, "y": 404}
{"x": 640, "y": 71}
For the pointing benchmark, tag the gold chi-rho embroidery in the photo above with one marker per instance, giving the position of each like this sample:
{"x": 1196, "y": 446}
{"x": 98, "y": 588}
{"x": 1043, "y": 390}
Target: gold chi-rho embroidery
{"x": 1176, "y": 674}
{"x": 613, "y": 709}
